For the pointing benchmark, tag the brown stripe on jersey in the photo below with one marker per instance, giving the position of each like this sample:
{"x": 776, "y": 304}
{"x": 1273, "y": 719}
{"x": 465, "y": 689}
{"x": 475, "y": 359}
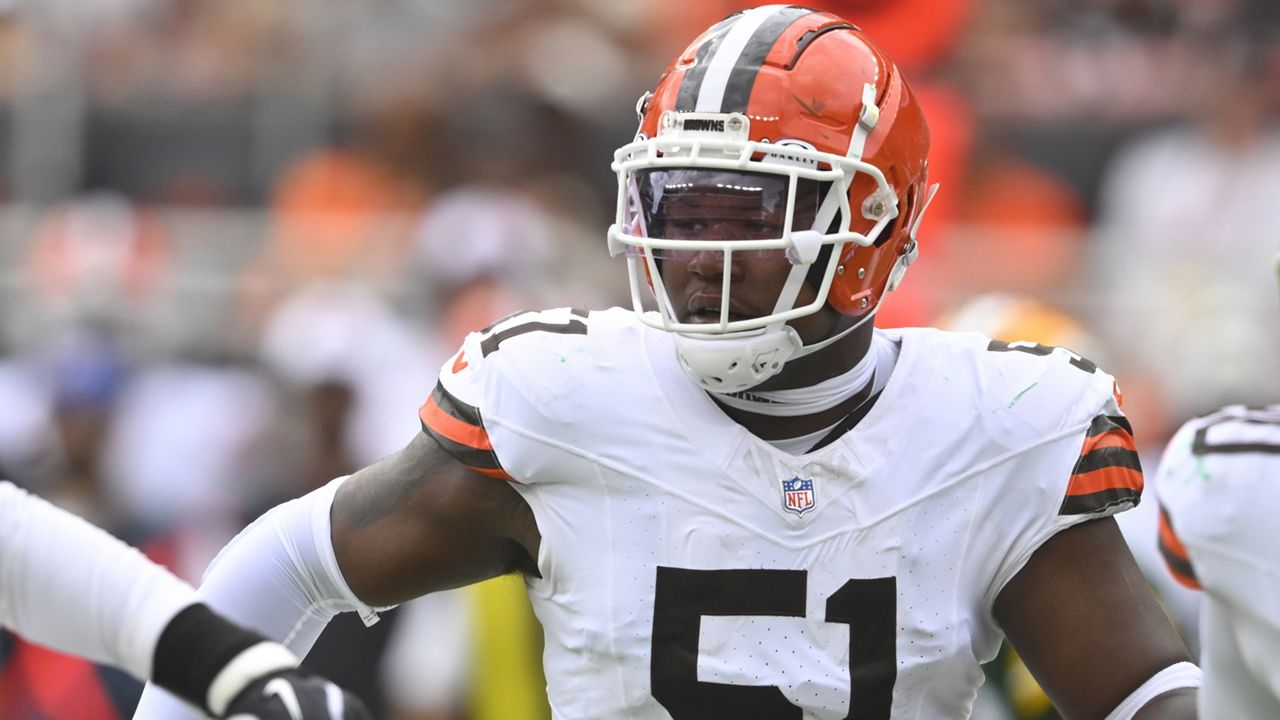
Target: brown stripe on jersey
{"x": 450, "y": 404}
{"x": 1100, "y": 501}
{"x": 575, "y": 312}
{"x": 1107, "y": 457}
{"x": 573, "y": 327}
{"x": 1175, "y": 554}
{"x": 1108, "y": 472}
{"x": 1200, "y": 443}
{"x": 482, "y": 461}
{"x": 1106, "y": 423}
{"x": 457, "y": 428}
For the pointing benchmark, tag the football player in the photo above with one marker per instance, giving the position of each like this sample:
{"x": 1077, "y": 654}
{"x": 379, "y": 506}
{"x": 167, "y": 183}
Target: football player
{"x": 1219, "y": 492}
{"x": 747, "y": 502}
{"x": 71, "y": 586}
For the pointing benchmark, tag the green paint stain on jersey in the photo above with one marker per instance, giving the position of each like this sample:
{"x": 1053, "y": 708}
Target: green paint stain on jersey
{"x": 1025, "y": 390}
{"x": 1202, "y": 471}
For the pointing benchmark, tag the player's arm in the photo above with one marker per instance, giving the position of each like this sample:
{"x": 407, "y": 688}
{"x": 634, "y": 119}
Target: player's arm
{"x": 421, "y": 521}
{"x": 1091, "y": 631}
{"x": 71, "y": 586}
{"x": 415, "y": 522}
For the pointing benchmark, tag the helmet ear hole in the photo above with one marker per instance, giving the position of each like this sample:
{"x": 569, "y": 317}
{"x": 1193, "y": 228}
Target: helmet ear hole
{"x": 888, "y": 231}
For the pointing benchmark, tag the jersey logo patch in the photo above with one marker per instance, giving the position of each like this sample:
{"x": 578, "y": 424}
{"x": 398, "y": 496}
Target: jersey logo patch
{"x": 460, "y": 362}
{"x": 798, "y": 496}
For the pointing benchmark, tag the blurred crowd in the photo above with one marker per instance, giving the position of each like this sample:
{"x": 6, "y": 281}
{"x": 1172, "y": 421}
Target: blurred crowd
{"x": 238, "y": 239}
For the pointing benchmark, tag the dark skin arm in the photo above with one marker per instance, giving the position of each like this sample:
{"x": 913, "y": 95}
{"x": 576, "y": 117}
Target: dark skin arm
{"x": 420, "y": 521}
{"x": 1088, "y": 627}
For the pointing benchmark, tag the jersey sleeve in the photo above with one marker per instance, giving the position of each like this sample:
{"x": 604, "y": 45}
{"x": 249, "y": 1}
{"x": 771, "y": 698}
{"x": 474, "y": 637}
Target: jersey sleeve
{"x": 505, "y": 384}
{"x": 1107, "y": 475}
{"x": 451, "y": 415}
{"x": 1082, "y": 464}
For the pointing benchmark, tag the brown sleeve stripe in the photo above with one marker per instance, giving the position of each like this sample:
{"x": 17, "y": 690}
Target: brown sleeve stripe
{"x": 1106, "y": 423}
{"x": 1099, "y": 501}
{"x": 446, "y": 401}
{"x": 1108, "y": 473}
{"x": 1110, "y": 452}
{"x": 441, "y": 422}
{"x": 1175, "y": 554}
{"x": 457, "y": 428}
{"x": 482, "y": 461}
{"x": 1105, "y": 479}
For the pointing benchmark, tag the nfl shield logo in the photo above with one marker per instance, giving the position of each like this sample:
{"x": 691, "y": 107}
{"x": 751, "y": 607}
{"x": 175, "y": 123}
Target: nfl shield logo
{"x": 797, "y": 495}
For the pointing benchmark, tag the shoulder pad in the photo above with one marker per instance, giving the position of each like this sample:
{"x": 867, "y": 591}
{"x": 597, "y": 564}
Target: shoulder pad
{"x": 524, "y": 342}
{"x": 1049, "y": 387}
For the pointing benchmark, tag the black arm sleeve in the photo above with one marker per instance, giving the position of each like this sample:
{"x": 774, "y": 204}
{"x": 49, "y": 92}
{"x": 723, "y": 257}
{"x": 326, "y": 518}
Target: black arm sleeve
{"x": 194, "y": 648}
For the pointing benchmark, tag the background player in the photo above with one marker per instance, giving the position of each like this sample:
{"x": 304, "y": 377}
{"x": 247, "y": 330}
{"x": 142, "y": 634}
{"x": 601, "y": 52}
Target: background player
{"x": 1218, "y": 532}
{"x": 69, "y": 585}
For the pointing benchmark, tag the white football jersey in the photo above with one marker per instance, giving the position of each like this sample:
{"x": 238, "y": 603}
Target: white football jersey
{"x": 690, "y": 570}
{"x": 1219, "y": 485}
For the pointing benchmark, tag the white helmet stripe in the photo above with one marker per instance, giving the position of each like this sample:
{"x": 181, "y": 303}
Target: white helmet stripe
{"x": 725, "y": 58}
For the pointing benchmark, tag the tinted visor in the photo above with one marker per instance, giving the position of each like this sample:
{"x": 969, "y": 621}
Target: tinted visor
{"x": 703, "y": 204}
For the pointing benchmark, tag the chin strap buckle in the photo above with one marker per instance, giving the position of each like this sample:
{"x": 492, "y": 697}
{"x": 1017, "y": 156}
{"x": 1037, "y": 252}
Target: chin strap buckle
{"x": 805, "y": 246}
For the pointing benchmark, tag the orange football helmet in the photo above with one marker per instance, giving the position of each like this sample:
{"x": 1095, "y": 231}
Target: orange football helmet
{"x": 799, "y": 101}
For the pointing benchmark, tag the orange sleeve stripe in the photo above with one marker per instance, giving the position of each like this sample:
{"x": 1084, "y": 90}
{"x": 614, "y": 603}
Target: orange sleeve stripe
{"x": 452, "y": 428}
{"x": 1114, "y": 438}
{"x": 1105, "y": 479}
{"x": 498, "y": 473}
{"x": 1110, "y": 438}
{"x": 1170, "y": 540}
{"x": 1108, "y": 460}
{"x": 1175, "y": 555}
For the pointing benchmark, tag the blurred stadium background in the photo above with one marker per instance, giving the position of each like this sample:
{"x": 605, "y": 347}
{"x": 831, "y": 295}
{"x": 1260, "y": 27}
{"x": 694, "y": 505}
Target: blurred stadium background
{"x": 238, "y": 238}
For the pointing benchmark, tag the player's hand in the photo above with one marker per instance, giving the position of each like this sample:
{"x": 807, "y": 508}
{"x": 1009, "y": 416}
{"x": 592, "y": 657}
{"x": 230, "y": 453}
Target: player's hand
{"x": 296, "y": 694}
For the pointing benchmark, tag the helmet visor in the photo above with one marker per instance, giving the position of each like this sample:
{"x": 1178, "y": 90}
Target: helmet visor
{"x": 692, "y": 204}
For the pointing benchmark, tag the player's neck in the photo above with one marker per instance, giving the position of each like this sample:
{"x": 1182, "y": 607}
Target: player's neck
{"x": 772, "y": 427}
{"x": 827, "y": 363}
{"x": 823, "y": 365}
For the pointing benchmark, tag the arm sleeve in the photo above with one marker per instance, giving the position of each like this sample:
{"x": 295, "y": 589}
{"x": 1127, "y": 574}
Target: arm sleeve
{"x": 71, "y": 586}
{"x": 279, "y": 577}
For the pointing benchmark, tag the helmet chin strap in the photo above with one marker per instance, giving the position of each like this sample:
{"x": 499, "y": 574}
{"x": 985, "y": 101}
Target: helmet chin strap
{"x": 736, "y": 362}
{"x": 816, "y": 398}
{"x": 725, "y": 364}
